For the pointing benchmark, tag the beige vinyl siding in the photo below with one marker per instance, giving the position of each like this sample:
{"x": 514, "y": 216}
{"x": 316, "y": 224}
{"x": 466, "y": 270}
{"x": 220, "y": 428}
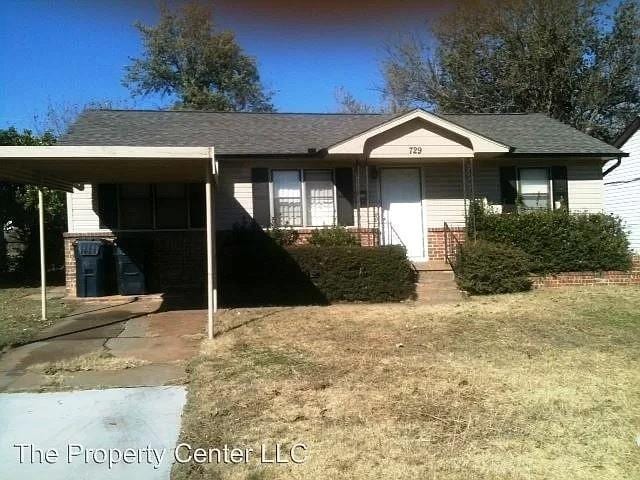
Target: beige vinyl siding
{"x": 443, "y": 199}
{"x": 584, "y": 181}
{"x": 234, "y": 195}
{"x": 585, "y": 187}
{"x": 443, "y": 194}
{"x": 83, "y": 210}
{"x": 420, "y": 142}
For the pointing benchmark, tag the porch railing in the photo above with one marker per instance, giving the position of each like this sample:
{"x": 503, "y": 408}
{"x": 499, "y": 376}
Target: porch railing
{"x": 451, "y": 246}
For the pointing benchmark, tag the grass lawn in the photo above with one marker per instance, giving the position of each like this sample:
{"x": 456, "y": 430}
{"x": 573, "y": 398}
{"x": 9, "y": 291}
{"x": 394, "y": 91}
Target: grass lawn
{"x": 542, "y": 385}
{"x": 20, "y": 315}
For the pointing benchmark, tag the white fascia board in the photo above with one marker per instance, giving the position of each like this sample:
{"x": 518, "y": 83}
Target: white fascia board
{"x": 103, "y": 151}
{"x": 355, "y": 145}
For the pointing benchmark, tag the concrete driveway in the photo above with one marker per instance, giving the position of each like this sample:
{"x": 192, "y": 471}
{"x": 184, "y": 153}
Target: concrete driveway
{"x": 117, "y": 433}
{"x": 155, "y": 345}
{"x": 98, "y": 430}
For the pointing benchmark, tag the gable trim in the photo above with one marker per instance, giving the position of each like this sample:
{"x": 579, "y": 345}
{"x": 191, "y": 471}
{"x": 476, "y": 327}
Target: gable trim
{"x": 355, "y": 144}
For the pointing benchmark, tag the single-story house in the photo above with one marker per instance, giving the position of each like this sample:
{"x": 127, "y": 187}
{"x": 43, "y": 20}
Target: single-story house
{"x": 622, "y": 184}
{"x": 391, "y": 179}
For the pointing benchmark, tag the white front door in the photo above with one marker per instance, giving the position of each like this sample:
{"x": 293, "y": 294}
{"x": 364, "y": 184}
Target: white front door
{"x": 402, "y": 210}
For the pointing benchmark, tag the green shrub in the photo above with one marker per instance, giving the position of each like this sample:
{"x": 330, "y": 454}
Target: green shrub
{"x": 284, "y": 236}
{"x": 558, "y": 241}
{"x": 343, "y": 273}
{"x": 333, "y": 237}
{"x": 484, "y": 268}
{"x": 253, "y": 269}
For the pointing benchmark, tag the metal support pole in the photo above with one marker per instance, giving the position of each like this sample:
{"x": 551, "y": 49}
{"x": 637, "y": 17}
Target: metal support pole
{"x": 43, "y": 266}
{"x": 357, "y": 196}
{"x": 211, "y": 282}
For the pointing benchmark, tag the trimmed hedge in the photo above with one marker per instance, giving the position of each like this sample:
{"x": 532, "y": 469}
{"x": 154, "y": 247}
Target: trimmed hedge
{"x": 558, "y": 241}
{"x": 484, "y": 268}
{"x": 358, "y": 274}
{"x": 333, "y": 237}
{"x": 255, "y": 270}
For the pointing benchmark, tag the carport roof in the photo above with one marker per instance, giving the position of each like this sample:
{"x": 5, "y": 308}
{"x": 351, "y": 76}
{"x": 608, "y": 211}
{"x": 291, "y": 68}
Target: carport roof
{"x": 242, "y": 133}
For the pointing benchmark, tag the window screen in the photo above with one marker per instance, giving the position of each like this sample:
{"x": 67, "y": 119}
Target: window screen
{"x": 287, "y": 197}
{"x": 136, "y": 208}
{"x": 319, "y": 197}
{"x": 534, "y": 187}
{"x": 171, "y": 205}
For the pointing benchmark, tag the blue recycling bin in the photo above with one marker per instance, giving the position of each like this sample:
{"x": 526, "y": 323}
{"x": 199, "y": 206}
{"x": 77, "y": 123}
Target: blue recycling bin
{"x": 130, "y": 267}
{"x": 93, "y": 261}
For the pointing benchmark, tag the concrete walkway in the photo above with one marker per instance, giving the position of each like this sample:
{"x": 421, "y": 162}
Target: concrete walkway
{"x": 132, "y": 329}
{"x": 117, "y": 433}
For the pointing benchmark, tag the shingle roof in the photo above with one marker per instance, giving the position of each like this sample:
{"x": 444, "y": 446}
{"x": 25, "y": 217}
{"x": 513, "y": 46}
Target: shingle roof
{"x": 296, "y": 133}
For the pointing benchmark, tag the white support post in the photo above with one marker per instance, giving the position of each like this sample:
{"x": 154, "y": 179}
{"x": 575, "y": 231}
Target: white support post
{"x": 43, "y": 267}
{"x": 212, "y": 300}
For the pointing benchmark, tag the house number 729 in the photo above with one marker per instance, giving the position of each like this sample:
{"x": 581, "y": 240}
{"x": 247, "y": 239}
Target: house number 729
{"x": 415, "y": 150}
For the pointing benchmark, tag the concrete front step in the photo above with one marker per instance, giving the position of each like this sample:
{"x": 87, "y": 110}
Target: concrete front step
{"x": 437, "y": 286}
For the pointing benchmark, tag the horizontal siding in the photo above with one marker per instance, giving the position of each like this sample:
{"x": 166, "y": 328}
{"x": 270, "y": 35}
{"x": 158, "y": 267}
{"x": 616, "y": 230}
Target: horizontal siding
{"x": 234, "y": 196}
{"x": 443, "y": 194}
{"x": 622, "y": 190}
{"x": 586, "y": 191}
{"x": 84, "y": 211}
{"x": 430, "y": 144}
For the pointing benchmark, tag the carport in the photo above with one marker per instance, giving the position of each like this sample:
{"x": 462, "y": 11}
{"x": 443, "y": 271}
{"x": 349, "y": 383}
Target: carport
{"x": 66, "y": 167}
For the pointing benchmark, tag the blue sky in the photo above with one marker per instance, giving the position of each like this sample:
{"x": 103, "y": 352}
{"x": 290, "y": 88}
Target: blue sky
{"x": 67, "y": 52}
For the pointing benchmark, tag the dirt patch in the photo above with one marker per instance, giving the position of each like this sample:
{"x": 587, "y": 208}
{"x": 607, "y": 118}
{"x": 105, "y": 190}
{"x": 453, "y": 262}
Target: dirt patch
{"x": 91, "y": 362}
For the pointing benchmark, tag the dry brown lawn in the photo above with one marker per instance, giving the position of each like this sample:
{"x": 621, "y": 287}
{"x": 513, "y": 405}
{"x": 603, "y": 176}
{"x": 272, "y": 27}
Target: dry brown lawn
{"x": 542, "y": 385}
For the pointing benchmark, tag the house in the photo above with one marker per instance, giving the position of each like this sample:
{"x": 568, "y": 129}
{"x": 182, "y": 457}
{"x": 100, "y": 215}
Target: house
{"x": 391, "y": 179}
{"x": 622, "y": 183}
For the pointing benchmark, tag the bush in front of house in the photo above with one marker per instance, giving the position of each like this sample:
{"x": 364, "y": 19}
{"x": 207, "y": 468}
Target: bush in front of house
{"x": 254, "y": 269}
{"x": 333, "y": 237}
{"x": 357, "y": 274}
{"x": 484, "y": 268}
{"x": 559, "y": 241}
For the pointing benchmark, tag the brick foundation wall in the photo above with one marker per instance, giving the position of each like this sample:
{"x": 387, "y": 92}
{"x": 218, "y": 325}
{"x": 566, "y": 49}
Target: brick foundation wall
{"x": 368, "y": 236}
{"x": 176, "y": 260}
{"x": 613, "y": 277}
{"x": 435, "y": 241}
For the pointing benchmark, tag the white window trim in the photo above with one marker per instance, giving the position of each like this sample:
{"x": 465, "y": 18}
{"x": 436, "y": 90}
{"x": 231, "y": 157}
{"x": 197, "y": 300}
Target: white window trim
{"x": 550, "y": 205}
{"x": 303, "y": 190}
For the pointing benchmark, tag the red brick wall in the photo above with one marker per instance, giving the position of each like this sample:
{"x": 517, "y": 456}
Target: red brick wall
{"x": 368, "y": 236}
{"x": 435, "y": 241}
{"x": 176, "y": 260}
{"x": 613, "y": 277}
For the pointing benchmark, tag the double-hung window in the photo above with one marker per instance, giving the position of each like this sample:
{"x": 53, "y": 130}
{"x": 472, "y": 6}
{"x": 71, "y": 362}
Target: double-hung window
{"x": 534, "y": 188}
{"x": 303, "y": 197}
{"x": 318, "y": 186}
{"x": 287, "y": 198}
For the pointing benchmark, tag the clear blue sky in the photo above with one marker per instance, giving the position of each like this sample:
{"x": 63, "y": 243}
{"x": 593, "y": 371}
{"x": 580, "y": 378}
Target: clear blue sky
{"x": 72, "y": 52}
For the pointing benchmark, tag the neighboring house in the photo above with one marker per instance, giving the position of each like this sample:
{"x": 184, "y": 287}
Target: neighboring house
{"x": 622, "y": 183}
{"x": 391, "y": 179}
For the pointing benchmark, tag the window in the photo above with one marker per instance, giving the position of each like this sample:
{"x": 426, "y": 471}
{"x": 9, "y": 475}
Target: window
{"x": 162, "y": 206}
{"x": 534, "y": 188}
{"x": 171, "y": 205}
{"x": 287, "y": 197}
{"x": 318, "y": 185}
{"x": 197, "y": 210}
{"x": 135, "y": 206}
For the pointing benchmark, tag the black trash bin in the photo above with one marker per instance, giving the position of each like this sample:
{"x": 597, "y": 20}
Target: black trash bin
{"x": 93, "y": 263}
{"x": 130, "y": 268}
